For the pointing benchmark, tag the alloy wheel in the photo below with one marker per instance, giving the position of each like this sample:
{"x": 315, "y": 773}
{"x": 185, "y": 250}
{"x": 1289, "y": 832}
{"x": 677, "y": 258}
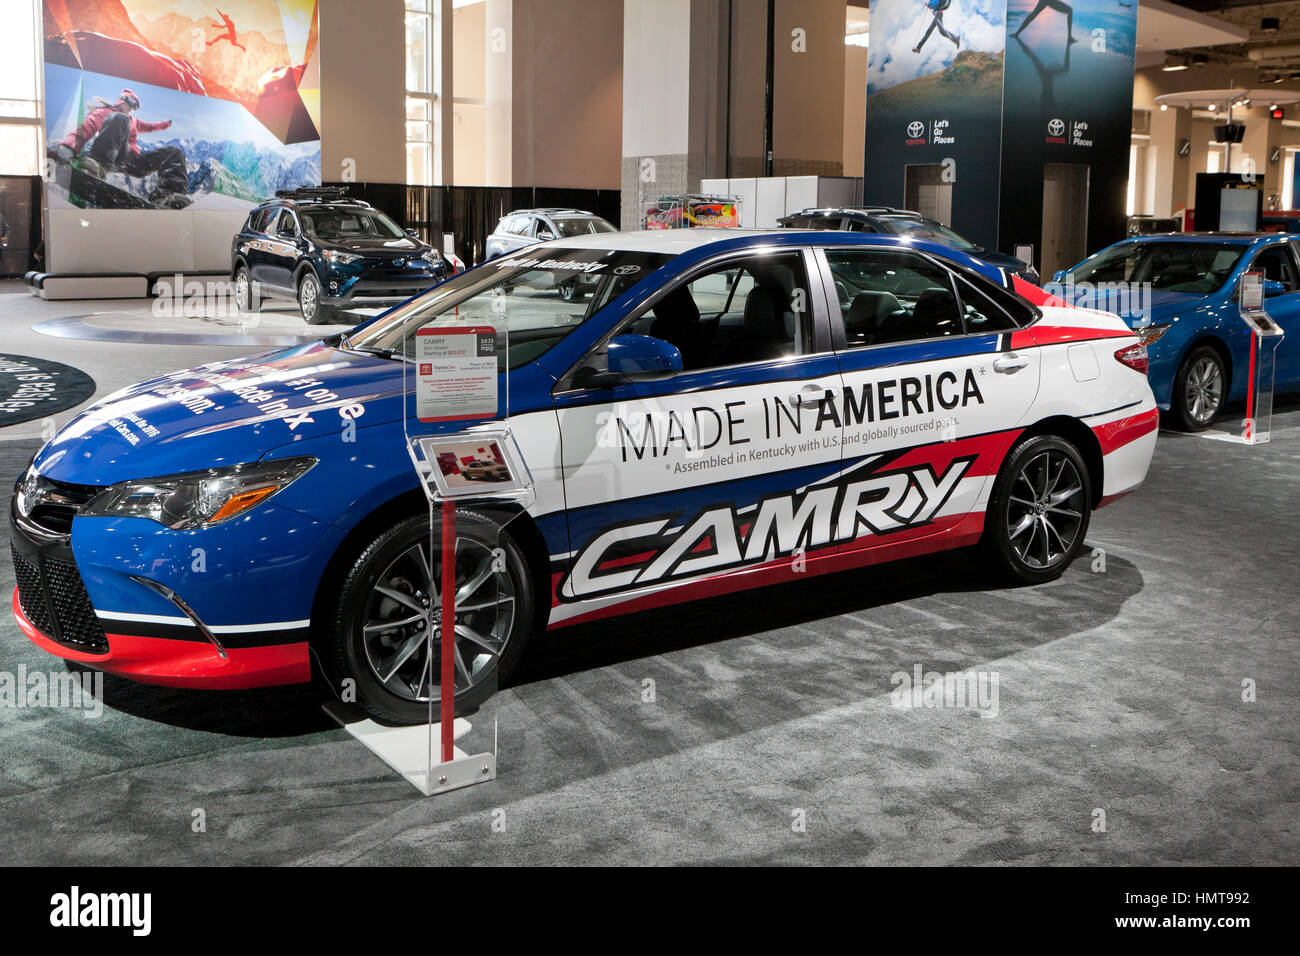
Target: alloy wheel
{"x": 307, "y": 298}
{"x": 1203, "y": 390}
{"x": 243, "y": 292}
{"x": 1045, "y": 510}
{"x": 404, "y": 606}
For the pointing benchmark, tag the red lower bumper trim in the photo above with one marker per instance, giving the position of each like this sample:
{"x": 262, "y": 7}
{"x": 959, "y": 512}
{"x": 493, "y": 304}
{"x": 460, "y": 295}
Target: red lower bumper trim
{"x": 172, "y": 663}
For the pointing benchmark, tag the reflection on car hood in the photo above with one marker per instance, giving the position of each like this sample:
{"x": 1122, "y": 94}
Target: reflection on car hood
{"x": 224, "y": 413}
{"x": 373, "y": 246}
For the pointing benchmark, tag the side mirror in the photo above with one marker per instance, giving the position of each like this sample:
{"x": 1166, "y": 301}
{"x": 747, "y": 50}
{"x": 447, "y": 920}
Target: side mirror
{"x": 1273, "y": 287}
{"x": 633, "y": 358}
{"x": 413, "y": 233}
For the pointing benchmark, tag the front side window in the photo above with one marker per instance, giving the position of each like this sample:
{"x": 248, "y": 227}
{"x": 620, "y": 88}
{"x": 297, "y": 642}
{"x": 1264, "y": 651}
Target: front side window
{"x": 519, "y": 295}
{"x": 753, "y": 309}
{"x": 287, "y": 228}
{"x": 1276, "y": 264}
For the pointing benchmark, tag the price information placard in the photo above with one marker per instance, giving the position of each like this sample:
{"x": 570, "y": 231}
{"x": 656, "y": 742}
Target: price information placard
{"x": 456, "y": 373}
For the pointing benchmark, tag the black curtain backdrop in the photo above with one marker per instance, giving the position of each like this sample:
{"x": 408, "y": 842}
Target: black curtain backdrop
{"x": 20, "y": 203}
{"x": 472, "y": 212}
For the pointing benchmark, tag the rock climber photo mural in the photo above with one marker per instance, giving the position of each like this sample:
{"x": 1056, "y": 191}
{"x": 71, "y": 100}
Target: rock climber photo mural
{"x": 179, "y": 104}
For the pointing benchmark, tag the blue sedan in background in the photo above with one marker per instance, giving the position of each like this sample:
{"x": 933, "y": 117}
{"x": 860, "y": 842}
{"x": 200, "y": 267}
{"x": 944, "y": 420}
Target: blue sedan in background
{"x": 1180, "y": 293}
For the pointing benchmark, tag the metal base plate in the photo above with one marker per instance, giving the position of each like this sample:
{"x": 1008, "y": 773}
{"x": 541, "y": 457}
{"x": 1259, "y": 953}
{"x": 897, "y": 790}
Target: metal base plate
{"x": 412, "y": 751}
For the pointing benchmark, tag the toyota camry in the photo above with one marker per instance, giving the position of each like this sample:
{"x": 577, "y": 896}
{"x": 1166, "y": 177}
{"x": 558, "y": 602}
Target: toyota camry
{"x": 725, "y": 410}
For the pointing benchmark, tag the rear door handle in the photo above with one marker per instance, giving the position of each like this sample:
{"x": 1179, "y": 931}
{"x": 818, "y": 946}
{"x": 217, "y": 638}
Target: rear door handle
{"x": 810, "y": 394}
{"x": 1011, "y": 362}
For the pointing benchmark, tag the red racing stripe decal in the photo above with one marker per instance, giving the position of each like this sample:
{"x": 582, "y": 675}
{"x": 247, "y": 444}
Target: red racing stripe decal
{"x": 1041, "y": 335}
{"x": 1117, "y": 434}
{"x": 1036, "y": 295}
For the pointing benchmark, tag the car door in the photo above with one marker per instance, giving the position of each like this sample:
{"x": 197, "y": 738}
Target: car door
{"x": 725, "y": 466}
{"x": 933, "y": 397}
{"x": 1278, "y": 262}
{"x": 282, "y": 251}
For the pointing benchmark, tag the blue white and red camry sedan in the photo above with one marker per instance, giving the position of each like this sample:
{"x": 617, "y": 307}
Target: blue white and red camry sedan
{"x": 726, "y": 410}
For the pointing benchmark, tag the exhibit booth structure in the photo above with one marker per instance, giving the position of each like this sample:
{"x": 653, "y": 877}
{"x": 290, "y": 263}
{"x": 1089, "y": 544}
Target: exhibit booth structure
{"x": 450, "y": 608}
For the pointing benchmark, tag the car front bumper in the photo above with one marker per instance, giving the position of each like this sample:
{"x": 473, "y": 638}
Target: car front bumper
{"x": 158, "y": 643}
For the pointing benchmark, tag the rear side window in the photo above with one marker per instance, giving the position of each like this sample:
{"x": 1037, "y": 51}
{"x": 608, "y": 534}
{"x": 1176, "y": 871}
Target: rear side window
{"x": 258, "y": 219}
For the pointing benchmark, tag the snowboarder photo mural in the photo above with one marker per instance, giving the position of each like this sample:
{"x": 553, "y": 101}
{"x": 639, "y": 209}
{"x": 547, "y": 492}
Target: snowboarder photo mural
{"x": 106, "y": 141}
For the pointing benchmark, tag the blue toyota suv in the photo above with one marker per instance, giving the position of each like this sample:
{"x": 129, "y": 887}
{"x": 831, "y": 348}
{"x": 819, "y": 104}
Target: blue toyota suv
{"x": 325, "y": 250}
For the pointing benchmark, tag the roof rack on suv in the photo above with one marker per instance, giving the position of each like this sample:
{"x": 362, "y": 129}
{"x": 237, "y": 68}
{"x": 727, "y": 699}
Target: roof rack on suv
{"x": 319, "y": 194}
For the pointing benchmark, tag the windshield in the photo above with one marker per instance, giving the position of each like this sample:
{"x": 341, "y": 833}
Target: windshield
{"x": 344, "y": 224}
{"x": 929, "y": 229}
{"x": 1196, "y": 267}
{"x": 570, "y": 226}
{"x": 535, "y": 300}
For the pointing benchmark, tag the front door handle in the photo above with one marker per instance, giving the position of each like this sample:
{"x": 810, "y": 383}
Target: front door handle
{"x": 810, "y": 394}
{"x": 1011, "y": 362}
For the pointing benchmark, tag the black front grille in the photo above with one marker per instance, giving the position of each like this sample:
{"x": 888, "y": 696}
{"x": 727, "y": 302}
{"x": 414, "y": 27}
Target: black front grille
{"x": 30, "y": 595}
{"x": 57, "y": 603}
{"x": 58, "y": 502}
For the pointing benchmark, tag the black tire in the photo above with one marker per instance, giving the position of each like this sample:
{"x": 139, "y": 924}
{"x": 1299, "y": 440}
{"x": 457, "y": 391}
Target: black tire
{"x": 1027, "y": 501}
{"x": 314, "y": 312}
{"x": 245, "y": 300}
{"x": 1200, "y": 390}
{"x": 388, "y": 562}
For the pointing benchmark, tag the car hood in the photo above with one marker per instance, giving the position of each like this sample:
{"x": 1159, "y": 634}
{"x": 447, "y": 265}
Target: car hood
{"x": 404, "y": 247}
{"x": 224, "y": 413}
{"x": 1135, "y": 307}
{"x": 1002, "y": 260}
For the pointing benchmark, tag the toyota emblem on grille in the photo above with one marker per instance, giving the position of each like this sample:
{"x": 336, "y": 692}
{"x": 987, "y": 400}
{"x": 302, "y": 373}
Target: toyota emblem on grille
{"x": 399, "y": 262}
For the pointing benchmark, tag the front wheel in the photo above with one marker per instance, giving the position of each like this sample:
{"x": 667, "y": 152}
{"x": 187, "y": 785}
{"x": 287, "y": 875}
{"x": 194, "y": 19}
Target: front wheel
{"x": 1039, "y": 511}
{"x": 314, "y": 312}
{"x": 390, "y": 601}
{"x": 1199, "y": 390}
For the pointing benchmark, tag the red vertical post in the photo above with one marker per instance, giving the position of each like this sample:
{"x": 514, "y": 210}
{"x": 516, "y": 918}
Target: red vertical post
{"x": 448, "y": 627}
{"x": 1250, "y": 389}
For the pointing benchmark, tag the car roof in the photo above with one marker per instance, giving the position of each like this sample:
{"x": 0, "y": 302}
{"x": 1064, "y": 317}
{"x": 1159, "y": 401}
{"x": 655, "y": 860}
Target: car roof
{"x": 678, "y": 241}
{"x": 1243, "y": 238}
{"x": 863, "y": 212}
{"x": 552, "y": 211}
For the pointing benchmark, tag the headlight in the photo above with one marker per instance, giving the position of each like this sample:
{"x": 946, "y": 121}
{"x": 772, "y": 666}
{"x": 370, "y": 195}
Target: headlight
{"x": 1149, "y": 333}
{"x": 341, "y": 258}
{"x": 199, "y": 499}
{"x": 431, "y": 256}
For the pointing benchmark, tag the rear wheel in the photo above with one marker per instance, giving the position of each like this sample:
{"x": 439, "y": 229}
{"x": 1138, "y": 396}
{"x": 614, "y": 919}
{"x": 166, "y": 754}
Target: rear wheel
{"x": 390, "y": 599}
{"x": 314, "y": 312}
{"x": 1199, "y": 390}
{"x": 1039, "y": 511}
{"x": 244, "y": 298}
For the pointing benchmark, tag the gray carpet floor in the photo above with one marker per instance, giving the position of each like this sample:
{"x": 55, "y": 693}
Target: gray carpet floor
{"x": 1120, "y": 692}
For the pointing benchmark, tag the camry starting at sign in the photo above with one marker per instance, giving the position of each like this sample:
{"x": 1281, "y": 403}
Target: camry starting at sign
{"x": 456, "y": 373}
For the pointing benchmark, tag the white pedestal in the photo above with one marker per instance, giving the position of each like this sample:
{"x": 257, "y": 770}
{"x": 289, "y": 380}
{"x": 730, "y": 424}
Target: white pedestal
{"x": 413, "y": 751}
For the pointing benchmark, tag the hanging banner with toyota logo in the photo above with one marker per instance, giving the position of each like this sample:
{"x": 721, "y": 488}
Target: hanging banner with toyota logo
{"x": 934, "y": 109}
{"x": 1068, "y": 103}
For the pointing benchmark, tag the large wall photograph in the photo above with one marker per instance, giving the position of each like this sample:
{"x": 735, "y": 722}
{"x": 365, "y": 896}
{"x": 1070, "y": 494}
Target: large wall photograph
{"x": 180, "y": 104}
